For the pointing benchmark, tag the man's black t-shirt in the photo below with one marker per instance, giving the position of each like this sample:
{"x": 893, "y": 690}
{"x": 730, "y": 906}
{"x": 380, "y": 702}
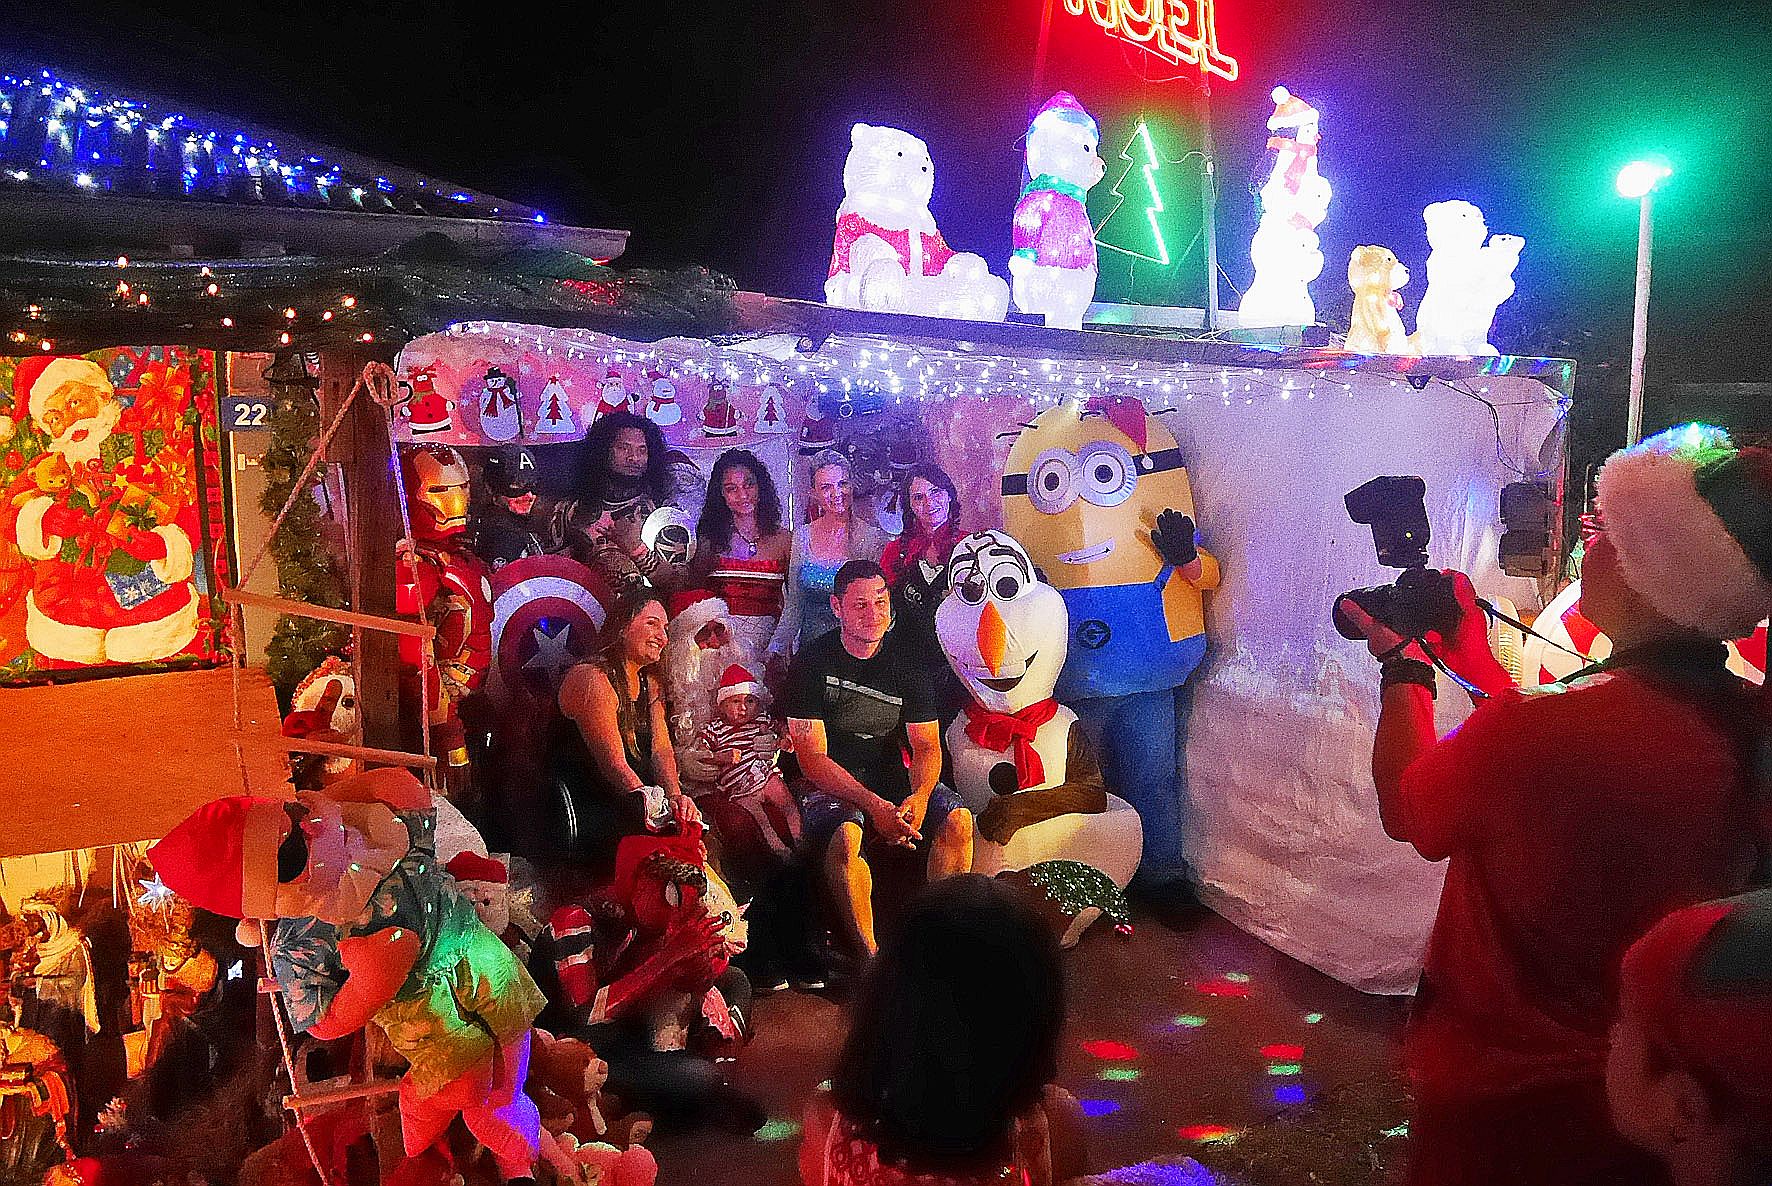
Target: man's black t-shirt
{"x": 865, "y": 705}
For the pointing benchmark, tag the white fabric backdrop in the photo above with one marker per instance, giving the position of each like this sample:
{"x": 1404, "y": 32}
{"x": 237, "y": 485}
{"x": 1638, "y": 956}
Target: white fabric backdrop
{"x": 1283, "y": 825}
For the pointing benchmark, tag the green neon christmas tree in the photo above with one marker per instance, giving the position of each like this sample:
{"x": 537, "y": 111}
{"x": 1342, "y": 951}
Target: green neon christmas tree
{"x": 1135, "y": 225}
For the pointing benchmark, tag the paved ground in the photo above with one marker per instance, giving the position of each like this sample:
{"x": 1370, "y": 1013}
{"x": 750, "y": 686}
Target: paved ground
{"x": 1173, "y": 1038}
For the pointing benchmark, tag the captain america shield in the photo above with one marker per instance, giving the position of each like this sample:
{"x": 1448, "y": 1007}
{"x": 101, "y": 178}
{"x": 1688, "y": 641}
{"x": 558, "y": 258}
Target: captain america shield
{"x": 546, "y": 611}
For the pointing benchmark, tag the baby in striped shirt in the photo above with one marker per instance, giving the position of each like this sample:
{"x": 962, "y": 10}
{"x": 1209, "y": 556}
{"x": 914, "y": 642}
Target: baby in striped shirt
{"x": 747, "y": 749}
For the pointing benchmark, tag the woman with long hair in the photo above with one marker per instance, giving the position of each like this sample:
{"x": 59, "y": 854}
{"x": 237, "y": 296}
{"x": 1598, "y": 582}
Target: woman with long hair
{"x": 613, "y": 754}
{"x": 742, "y": 550}
{"x": 833, "y": 538}
{"x": 916, "y": 565}
{"x": 946, "y": 1076}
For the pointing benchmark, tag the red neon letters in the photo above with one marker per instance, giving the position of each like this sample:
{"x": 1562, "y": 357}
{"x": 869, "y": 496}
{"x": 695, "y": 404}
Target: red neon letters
{"x": 1180, "y": 30}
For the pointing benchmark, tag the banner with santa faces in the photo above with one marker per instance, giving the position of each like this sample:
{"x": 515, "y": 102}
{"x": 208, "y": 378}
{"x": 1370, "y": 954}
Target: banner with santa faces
{"x": 111, "y": 521}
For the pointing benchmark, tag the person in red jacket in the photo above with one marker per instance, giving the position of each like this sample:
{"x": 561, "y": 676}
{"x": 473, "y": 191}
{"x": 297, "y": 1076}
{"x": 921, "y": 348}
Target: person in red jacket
{"x": 1574, "y": 818}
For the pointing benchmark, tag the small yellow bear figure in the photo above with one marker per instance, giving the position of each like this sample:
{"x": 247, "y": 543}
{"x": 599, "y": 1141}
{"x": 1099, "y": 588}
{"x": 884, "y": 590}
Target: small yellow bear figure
{"x": 1375, "y": 275}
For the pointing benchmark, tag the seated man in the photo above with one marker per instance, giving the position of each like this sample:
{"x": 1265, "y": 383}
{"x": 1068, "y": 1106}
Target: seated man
{"x": 855, "y": 706}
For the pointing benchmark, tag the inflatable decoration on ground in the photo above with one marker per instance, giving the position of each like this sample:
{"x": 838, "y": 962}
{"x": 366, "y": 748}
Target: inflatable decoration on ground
{"x": 1294, "y": 201}
{"x": 888, "y": 255}
{"x": 1054, "y": 267}
{"x": 1098, "y": 496}
{"x": 1021, "y": 762}
{"x": 1467, "y": 280}
{"x": 368, "y": 929}
{"x": 1376, "y": 326}
{"x": 453, "y": 587}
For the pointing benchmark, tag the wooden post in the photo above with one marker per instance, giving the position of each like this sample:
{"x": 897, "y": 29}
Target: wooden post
{"x": 373, "y": 528}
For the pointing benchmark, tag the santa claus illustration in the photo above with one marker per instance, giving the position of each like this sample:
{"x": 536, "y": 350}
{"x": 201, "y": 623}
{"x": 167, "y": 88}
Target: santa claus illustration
{"x": 112, "y": 581}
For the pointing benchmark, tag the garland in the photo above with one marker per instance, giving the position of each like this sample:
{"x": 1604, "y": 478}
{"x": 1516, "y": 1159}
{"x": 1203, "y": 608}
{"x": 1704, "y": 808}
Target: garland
{"x": 305, "y": 569}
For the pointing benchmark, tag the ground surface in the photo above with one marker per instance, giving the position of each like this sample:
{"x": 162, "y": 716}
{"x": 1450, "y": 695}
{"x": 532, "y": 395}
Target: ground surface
{"x": 1173, "y": 1037}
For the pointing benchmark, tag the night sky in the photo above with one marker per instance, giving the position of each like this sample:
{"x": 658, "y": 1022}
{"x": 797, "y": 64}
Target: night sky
{"x": 716, "y": 132}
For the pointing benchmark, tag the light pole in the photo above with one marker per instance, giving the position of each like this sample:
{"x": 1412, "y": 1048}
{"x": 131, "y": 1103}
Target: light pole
{"x": 1638, "y": 180}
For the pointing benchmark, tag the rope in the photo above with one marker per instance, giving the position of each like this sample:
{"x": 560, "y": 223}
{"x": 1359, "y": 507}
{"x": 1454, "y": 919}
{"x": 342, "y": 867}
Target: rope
{"x": 282, "y": 1028}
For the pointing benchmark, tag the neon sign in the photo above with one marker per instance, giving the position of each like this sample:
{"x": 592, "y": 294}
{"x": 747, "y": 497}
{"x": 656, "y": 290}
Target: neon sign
{"x": 1181, "y": 31}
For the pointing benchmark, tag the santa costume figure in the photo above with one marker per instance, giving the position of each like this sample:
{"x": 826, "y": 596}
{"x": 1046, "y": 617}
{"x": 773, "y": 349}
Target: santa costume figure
{"x": 114, "y": 560}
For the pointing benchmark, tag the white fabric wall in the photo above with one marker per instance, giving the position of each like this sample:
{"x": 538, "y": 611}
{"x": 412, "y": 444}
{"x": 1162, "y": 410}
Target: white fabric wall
{"x": 1284, "y": 828}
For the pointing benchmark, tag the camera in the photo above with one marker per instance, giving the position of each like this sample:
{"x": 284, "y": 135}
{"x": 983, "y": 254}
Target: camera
{"x": 1421, "y": 599}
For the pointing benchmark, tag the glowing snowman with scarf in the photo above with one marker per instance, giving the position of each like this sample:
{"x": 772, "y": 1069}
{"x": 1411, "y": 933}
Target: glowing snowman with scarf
{"x": 1021, "y": 762}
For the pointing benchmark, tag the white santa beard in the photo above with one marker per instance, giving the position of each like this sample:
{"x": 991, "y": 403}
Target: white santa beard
{"x": 98, "y": 429}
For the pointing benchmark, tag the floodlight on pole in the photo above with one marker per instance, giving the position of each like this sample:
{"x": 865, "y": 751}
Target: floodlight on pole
{"x": 1637, "y": 181}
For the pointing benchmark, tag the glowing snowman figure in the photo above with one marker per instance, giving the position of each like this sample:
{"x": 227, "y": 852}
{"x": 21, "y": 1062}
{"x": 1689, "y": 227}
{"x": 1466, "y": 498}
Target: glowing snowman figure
{"x": 1294, "y": 202}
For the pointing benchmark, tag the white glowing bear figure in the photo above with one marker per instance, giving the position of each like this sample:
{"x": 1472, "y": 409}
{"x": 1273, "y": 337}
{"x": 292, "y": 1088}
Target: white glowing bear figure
{"x": 888, "y": 255}
{"x": 1054, "y": 265}
{"x": 1294, "y": 201}
{"x": 1467, "y": 280}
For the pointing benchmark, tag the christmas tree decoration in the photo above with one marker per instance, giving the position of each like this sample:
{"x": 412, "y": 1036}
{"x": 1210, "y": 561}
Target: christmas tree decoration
{"x": 1180, "y": 32}
{"x": 1054, "y": 266}
{"x": 554, "y": 417}
{"x": 1294, "y": 201}
{"x": 1133, "y": 227}
{"x": 771, "y": 420}
{"x": 499, "y": 420}
{"x": 1470, "y": 273}
{"x": 888, "y": 255}
{"x": 1376, "y": 328}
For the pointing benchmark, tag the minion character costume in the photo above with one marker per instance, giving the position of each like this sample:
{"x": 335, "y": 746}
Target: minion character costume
{"x": 1098, "y": 495}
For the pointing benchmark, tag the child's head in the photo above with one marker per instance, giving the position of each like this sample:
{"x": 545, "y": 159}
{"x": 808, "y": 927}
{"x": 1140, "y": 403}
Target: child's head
{"x": 1688, "y": 1076}
{"x": 956, "y": 1026}
{"x": 737, "y": 701}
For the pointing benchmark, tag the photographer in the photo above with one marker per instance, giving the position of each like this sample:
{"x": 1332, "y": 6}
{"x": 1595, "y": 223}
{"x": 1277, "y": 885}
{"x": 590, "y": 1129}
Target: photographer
{"x": 1574, "y": 817}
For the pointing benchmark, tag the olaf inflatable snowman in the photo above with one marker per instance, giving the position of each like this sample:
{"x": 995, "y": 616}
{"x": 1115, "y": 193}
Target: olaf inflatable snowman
{"x": 1021, "y": 761}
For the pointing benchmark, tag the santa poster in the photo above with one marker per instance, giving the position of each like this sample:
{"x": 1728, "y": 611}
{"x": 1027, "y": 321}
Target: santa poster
{"x": 109, "y": 512}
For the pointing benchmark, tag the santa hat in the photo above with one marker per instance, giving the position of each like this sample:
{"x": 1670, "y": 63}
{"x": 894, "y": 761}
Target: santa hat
{"x": 39, "y": 377}
{"x": 223, "y": 857}
{"x": 471, "y": 866}
{"x": 1063, "y": 108}
{"x": 1700, "y": 982}
{"x": 1690, "y": 516}
{"x": 632, "y": 853}
{"x": 737, "y": 681}
{"x": 1289, "y": 110}
{"x": 691, "y": 609}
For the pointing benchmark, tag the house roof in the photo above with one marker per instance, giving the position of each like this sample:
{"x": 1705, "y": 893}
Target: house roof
{"x": 83, "y": 165}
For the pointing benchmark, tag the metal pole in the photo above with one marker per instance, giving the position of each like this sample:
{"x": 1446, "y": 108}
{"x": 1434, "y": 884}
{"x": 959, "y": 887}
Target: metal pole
{"x": 1633, "y": 431}
{"x": 1209, "y": 206}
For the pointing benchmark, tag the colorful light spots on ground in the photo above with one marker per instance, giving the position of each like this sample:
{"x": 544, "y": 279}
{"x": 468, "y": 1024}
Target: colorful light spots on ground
{"x": 1205, "y": 1132}
{"x": 1223, "y": 987}
{"x": 1119, "y": 1074}
{"x": 1400, "y": 1131}
{"x": 1190, "y": 1021}
{"x": 777, "y": 1130}
{"x": 1285, "y": 1068}
{"x": 1094, "y": 1108}
{"x": 1283, "y": 1052}
{"x": 1289, "y": 1093}
{"x": 1313, "y": 1018}
{"x": 1237, "y": 977}
{"x": 1110, "y": 1051}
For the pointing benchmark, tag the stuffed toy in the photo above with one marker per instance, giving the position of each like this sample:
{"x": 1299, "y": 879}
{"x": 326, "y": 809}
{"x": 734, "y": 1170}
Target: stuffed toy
{"x": 1097, "y": 495}
{"x": 566, "y": 1080}
{"x": 1054, "y": 265}
{"x": 454, "y": 587}
{"x": 1469, "y": 274}
{"x": 485, "y": 881}
{"x": 1376, "y": 328}
{"x": 1070, "y": 895}
{"x": 888, "y": 254}
{"x": 363, "y": 926}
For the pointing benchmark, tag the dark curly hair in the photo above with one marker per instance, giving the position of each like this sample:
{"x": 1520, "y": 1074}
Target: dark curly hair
{"x": 957, "y": 1028}
{"x": 715, "y": 524}
{"x": 593, "y": 474}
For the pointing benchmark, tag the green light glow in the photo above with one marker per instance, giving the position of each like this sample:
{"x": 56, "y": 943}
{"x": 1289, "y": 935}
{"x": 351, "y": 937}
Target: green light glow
{"x": 1286, "y": 1068}
{"x": 1148, "y": 163}
{"x": 1312, "y": 1018}
{"x": 1190, "y": 1021}
{"x": 1119, "y": 1074}
{"x": 778, "y": 1130}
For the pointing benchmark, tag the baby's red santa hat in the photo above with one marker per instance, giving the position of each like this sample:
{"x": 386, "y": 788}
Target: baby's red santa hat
{"x": 1700, "y": 984}
{"x": 1690, "y": 516}
{"x": 223, "y": 857}
{"x": 470, "y": 866}
{"x": 39, "y": 377}
{"x": 737, "y": 681}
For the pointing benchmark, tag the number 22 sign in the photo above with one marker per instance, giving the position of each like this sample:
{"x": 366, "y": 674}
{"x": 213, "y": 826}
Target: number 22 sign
{"x": 246, "y": 413}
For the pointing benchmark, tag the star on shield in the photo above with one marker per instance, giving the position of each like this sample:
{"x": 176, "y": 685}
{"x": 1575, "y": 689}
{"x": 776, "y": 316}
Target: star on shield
{"x": 552, "y": 655}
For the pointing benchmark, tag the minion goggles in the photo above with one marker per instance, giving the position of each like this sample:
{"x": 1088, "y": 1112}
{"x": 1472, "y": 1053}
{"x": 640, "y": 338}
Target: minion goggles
{"x": 1104, "y": 474}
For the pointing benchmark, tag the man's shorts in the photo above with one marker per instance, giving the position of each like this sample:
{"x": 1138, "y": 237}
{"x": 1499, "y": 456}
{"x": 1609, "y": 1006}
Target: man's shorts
{"x": 821, "y": 815}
